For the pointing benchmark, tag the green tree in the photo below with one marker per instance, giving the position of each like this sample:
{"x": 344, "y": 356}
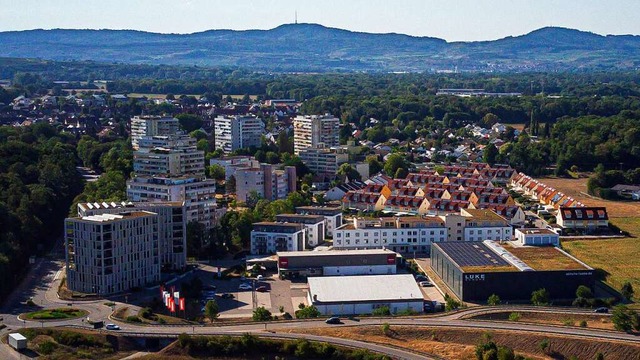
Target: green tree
{"x": 627, "y": 290}
{"x": 393, "y": 163}
{"x": 307, "y": 312}
{"x": 346, "y": 170}
{"x": 230, "y": 185}
{"x": 544, "y": 345}
{"x": 584, "y": 292}
{"x": 489, "y": 154}
{"x": 375, "y": 166}
{"x": 189, "y": 122}
{"x": 211, "y": 310}
{"x": 261, "y": 314}
{"x": 216, "y": 172}
{"x": 621, "y": 318}
{"x": 540, "y": 297}
{"x": 493, "y": 300}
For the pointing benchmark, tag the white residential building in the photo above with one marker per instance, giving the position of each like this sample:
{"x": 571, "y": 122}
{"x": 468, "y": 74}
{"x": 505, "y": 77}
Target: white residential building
{"x": 399, "y": 234}
{"x": 484, "y": 224}
{"x": 142, "y": 126}
{"x": 232, "y": 163}
{"x": 323, "y": 161}
{"x": 172, "y": 227}
{"x": 197, "y": 194}
{"x": 111, "y": 253}
{"x": 271, "y": 237}
{"x": 315, "y": 225}
{"x": 332, "y": 216}
{"x": 313, "y": 130}
{"x": 237, "y": 132}
{"x": 175, "y": 155}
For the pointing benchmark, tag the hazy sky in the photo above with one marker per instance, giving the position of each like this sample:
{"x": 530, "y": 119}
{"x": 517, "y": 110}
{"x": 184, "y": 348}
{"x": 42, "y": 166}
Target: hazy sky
{"x": 448, "y": 19}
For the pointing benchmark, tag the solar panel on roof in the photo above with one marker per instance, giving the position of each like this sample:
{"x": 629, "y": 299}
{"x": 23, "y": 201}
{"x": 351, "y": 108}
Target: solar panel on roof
{"x": 471, "y": 254}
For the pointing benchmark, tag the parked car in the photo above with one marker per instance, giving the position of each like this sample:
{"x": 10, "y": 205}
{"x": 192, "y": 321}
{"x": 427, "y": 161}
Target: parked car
{"x": 601, "y": 310}
{"x": 112, "y": 327}
{"x": 425, "y": 283}
{"x": 261, "y": 289}
{"x": 333, "y": 320}
{"x": 226, "y": 296}
{"x": 245, "y": 286}
{"x": 421, "y": 278}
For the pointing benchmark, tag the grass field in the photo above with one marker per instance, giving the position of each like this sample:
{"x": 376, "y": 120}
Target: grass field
{"x": 55, "y": 314}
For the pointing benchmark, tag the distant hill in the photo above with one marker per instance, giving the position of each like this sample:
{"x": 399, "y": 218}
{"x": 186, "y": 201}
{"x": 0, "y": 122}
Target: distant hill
{"x": 312, "y": 47}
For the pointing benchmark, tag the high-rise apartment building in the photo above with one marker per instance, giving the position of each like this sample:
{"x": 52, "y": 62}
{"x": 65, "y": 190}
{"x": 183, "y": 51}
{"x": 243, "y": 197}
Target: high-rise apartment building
{"x": 323, "y": 161}
{"x": 174, "y": 155}
{"x": 111, "y": 253}
{"x": 313, "y": 130}
{"x": 237, "y": 132}
{"x": 142, "y": 126}
{"x": 172, "y": 227}
{"x": 267, "y": 180}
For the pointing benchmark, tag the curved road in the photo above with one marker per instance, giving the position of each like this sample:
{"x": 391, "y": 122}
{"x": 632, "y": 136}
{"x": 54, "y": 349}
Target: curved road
{"x": 42, "y": 283}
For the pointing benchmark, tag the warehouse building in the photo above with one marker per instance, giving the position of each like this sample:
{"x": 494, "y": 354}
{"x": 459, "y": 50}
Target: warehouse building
{"x": 476, "y": 270}
{"x": 292, "y": 264}
{"x": 351, "y": 295}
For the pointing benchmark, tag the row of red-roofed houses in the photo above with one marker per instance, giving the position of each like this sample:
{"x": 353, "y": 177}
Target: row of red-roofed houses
{"x": 571, "y": 213}
{"x": 427, "y": 192}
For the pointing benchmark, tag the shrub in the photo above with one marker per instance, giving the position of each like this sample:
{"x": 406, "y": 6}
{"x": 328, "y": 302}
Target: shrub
{"x": 568, "y": 322}
{"x": 146, "y": 313}
{"x": 493, "y": 300}
{"x": 544, "y": 345}
{"x": 47, "y": 347}
{"x": 307, "y": 312}
{"x": 184, "y": 340}
{"x": 261, "y": 314}
{"x": 133, "y": 318}
{"x": 386, "y": 329}
{"x": 584, "y": 292}
{"x": 540, "y": 297}
{"x": 287, "y": 316}
{"x": 583, "y": 323}
{"x": 451, "y": 303}
{"x": 514, "y": 316}
{"x": 381, "y": 311}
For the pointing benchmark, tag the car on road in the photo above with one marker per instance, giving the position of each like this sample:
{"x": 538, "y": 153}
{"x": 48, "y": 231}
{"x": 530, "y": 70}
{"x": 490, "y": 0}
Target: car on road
{"x": 261, "y": 289}
{"x": 245, "y": 287}
{"x": 333, "y": 320}
{"x": 112, "y": 327}
{"x": 601, "y": 310}
{"x": 425, "y": 283}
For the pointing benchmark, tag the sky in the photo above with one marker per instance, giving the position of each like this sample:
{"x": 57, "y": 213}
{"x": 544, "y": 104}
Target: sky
{"x": 452, "y": 20}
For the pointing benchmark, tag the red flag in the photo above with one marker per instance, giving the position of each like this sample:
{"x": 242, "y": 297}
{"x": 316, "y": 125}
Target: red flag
{"x": 182, "y": 304}
{"x": 173, "y": 306}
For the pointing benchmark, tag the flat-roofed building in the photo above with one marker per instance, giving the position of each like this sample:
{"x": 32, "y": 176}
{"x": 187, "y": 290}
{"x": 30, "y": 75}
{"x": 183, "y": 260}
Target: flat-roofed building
{"x": 292, "y": 264}
{"x": 485, "y": 224}
{"x": 313, "y": 130}
{"x": 271, "y": 237}
{"x": 539, "y": 237}
{"x": 175, "y": 155}
{"x": 315, "y": 225}
{"x": 112, "y": 253}
{"x": 324, "y": 161}
{"x": 347, "y": 295}
{"x": 267, "y": 180}
{"x": 237, "y": 132}
{"x": 172, "y": 226}
{"x": 475, "y": 270}
{"x": 143, "y": 125}
{"x": 401, "y": 234}
{"x": 332, "y": 216}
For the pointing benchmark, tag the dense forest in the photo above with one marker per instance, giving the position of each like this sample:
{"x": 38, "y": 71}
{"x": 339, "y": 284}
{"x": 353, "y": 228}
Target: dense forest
{"x": 38, "y": 179}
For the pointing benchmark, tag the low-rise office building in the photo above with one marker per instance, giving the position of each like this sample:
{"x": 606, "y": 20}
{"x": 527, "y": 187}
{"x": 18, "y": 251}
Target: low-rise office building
{"x": 332, "y": 216}
{"x": 537, "y": 237}
{"x": 315, "y": 225}
{"x": 476, "y": 270}
{"x": 271, "y": 237}
{"x": 292, "y": 264}
{"x": 112, "y": 253}
{"x": 401, "y": 234}
{"x": 348, "y": 295}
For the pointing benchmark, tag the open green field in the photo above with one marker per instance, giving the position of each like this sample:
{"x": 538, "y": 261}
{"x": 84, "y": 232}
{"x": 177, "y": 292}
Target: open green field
{"x": 55, "y": 314}
{"x": 618, "y": 258}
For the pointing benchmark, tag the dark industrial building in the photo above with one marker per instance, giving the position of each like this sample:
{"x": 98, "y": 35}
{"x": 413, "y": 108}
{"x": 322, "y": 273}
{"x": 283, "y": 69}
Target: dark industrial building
{"x": 292, "y": 264}
{"x": 476, "y": 270}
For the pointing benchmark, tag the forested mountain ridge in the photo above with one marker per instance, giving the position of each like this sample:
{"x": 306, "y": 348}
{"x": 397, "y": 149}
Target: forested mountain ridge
{"x": 315, "y": 48}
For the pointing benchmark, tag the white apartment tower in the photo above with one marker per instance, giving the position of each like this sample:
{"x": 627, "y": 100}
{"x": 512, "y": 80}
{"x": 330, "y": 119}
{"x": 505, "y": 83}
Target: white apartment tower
{"x": 174, "y": 155}
{"x": 313, "y": 130}
{"x": 237, "y": 132}
{"x": 111, "y": 253}
{"x": 142, "y": 126}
